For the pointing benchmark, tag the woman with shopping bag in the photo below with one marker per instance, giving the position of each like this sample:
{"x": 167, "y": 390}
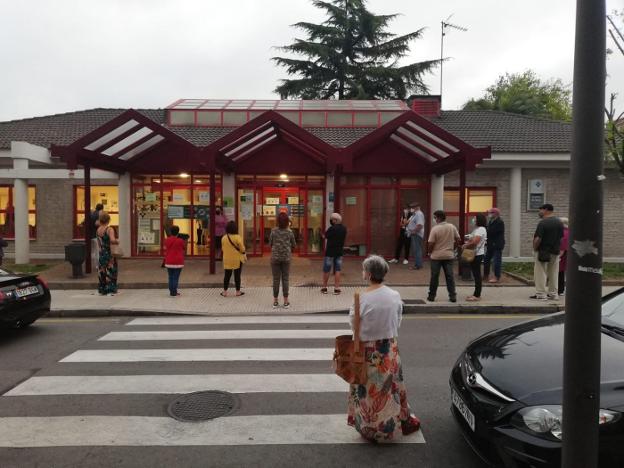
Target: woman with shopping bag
{"x": 378, "y": 407}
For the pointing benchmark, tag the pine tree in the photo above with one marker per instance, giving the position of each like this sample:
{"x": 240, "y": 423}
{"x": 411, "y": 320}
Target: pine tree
{"x": 351, "y": 56}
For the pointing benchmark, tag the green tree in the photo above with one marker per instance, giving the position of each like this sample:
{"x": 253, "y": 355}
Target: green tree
{"x": 351, "y": 55}
{"x": 524, "y": 93}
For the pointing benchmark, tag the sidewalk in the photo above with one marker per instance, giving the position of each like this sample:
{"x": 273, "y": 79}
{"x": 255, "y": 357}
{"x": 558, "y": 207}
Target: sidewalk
{"x": 258, "y": 300}
{"x": 141, "y": 273}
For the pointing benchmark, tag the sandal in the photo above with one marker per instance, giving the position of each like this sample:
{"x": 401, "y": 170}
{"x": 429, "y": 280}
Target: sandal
{"x": 473, "y": 299}
{"x": 323, "y": 290}
{"x": 337, "y": 291}
{"x": 239, "y": 293}
{"x": 222, "y": 294}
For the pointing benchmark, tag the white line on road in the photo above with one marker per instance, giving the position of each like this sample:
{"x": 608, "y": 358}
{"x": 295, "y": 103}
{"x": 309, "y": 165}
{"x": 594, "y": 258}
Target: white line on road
{"x": 80, "y": 431}
{"x": 222, "y": 335}
{"x": 242, "y": 319}
{"x": 132, "y": 384}
{"x": 200, "y": 354}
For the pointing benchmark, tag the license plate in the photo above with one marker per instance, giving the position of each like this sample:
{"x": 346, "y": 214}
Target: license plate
{"x": 462, "y": 407}
{"x": 30, "y": 290}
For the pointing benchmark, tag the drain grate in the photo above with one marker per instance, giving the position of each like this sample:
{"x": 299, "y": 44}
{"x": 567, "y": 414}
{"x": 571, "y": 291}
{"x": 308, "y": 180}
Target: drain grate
{"x": 202, "y": 406}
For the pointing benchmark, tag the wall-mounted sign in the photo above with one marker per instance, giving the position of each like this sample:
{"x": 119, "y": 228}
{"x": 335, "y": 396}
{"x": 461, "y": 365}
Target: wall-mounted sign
{"x": 175, "y": 212}
{"x": 536, "y": 194}
{"x": 351, "y": 200}
{"x": 150, "y": 197}
{"x": 293, "y": 200}
{"x": 272, "y": 201}
{"x": 317, "y": 199}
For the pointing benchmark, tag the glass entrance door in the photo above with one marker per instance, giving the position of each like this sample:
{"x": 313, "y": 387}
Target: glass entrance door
{"x": 276, "y": 200}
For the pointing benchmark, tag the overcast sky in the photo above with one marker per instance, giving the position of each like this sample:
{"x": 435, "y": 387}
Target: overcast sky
{"x": 65, "y": 55}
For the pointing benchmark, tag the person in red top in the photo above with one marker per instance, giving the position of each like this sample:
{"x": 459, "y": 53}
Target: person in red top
{"x": 174, "y": 259}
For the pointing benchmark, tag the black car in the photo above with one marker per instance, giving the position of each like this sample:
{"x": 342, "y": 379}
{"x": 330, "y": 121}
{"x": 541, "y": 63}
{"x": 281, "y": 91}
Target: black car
{"x": 506, "y": 391}
{"x": 23, "y": 299}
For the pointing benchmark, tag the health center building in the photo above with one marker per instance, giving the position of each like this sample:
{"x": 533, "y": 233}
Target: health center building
{"x": 253, "y": 159}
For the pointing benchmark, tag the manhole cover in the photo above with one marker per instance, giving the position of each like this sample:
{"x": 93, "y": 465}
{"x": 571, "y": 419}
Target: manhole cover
{"x": 201, "y": 406}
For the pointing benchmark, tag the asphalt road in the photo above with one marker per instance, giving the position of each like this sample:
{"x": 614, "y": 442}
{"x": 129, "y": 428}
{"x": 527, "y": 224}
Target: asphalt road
{"x": 57, "y": 423}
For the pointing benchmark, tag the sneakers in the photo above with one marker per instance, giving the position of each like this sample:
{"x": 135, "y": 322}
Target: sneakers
{"x": 405, "y": 262}
{"x": 394, "y": 260}
{"x": 430, "y": 298}
{"x": 453, "y": 299}
{"x": 275, "y": 305}
{"x": 286, "y": 305}
{"x": 538, "y": 298}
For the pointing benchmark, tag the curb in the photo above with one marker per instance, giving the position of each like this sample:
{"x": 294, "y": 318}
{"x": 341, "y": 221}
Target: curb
{"x": 427, "y": 309}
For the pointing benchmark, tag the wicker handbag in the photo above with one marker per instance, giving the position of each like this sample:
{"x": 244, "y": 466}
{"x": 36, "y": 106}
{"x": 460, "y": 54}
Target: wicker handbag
{"x": 349, "y": 355}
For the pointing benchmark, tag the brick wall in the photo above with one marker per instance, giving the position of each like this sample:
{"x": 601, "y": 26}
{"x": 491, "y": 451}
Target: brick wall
{"x": 55, "y": 214}
{"x": 557, "y": 192}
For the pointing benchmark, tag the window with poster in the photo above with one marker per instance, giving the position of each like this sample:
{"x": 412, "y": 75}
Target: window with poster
{"x": 107, "y": 195}
{"x": 7, "y": 212}
{"x": 478, "y": 200}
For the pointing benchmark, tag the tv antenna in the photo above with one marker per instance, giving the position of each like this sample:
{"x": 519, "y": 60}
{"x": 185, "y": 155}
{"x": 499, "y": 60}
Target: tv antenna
{"x": 445, "y": 24}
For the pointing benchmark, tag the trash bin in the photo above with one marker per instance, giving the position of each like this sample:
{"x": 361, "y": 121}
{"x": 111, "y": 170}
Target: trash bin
{"x": 75, "y": 254}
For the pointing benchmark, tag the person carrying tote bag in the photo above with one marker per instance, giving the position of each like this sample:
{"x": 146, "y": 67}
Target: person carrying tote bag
{"x": 476, "y": 245}
{"x": 378, "y": 407}
{"x": 234, "y": 256}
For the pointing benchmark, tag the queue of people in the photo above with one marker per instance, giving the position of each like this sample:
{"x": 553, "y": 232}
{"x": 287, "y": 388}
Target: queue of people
{"x": 481, "y": 252}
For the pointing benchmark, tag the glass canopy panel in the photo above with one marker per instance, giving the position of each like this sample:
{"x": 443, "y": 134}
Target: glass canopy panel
{"x": 129, "y": 140}
{"x": 110, "y": 136}
{"x": 363, "y": 104}
{"x": 365, "y": 119}
{"x": 431, "y": 136}
{"x": 234, "y": 117}
{"x": 338, "y": 104}
{"x": 414, "y": 137}
{"x": 388, "y": 116}
{"x": 313, "y": 119}
{"x": 412, "y": 148}
{"x": 292, "y": 116}
{"x": 142, "y": 147}
{"x": 339, "y": 119}
{"x": 178, "y": 117}
{"x": 209, "y": 118}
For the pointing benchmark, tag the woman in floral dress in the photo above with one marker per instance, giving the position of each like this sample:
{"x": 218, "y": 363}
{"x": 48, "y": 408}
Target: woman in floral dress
{"x": 378, "y": 409}
{"x": 107, "y": 264}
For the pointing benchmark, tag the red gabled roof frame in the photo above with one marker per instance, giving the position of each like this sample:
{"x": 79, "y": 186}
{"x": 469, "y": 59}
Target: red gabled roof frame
{"x": 76, "y": 154}
{"x": 466, "y": 156}
{"x": 289, "y": 132}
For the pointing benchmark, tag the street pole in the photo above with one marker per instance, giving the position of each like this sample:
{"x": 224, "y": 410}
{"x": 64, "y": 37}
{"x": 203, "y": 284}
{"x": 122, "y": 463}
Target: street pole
{"x": 582, "y": 336}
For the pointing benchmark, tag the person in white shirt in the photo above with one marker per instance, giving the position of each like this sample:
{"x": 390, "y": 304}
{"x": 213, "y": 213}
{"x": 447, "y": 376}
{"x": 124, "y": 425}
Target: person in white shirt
{"x": 416, "y": 231}
{"x": 385, "y": 395}
{"x": 478, "y": 239}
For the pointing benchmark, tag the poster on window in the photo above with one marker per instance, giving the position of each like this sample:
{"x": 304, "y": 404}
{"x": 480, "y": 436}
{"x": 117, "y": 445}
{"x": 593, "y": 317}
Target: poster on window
{"x": 204, "y": 196}
{"x": 351, "y": 200}
{"x": 150, "y": 197}
{"x": 272, "y": 201}
{"x": 268, "y": 210}
{"x": 175, "y": 212}
{"x": 293, "y": 200}
{"x": 247, "y": 212}
{"x": 147, "y": 237}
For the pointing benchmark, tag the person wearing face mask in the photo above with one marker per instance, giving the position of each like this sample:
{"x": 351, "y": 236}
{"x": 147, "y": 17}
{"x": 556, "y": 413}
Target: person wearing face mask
{"x": 416, "y": 231}
{"x": 443, "y": 239}
{"x": 379, "y": 410}
{"x": 220, "y": 225}
{"x": 546, "y": 246}
{"x": 495, "y": 245}
{"x": 403, "y": 241}
{"x": 335, "y": 236}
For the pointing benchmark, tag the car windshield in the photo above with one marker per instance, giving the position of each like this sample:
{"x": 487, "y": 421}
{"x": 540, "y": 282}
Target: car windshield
{"x": 613, "y": 309}
{"x": 3, "y": 272}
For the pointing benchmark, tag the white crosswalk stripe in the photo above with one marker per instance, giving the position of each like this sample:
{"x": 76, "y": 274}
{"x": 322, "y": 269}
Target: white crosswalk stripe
{"x": 157, "y": 430}
{"x": 222, "y": 335}
{"x": 129, "y": 384}
{"x": 150, "y": 431}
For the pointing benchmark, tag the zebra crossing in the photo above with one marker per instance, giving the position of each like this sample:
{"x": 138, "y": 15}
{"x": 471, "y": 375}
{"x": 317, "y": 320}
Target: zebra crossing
{"x": 282, "y": 360}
